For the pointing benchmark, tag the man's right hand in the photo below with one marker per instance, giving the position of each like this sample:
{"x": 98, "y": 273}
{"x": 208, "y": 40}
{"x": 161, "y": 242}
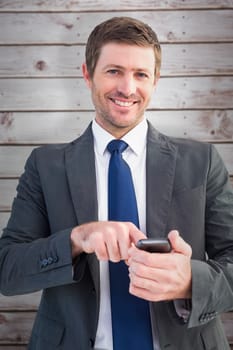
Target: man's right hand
{"x": 109, "y": 240}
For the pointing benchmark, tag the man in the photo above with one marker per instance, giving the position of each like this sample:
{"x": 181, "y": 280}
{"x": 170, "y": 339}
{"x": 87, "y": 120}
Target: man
{"x": 59, "y": 238}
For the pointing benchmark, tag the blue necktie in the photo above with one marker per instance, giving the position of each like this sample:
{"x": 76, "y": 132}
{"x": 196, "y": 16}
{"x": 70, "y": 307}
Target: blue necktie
{"x": 130, "y": 315}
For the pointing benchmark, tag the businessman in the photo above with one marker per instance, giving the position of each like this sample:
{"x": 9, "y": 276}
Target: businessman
{"x": 76, "y": 221}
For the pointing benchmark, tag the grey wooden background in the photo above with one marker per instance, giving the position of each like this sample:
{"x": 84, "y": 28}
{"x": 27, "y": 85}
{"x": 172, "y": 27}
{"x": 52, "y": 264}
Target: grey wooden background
{"x": 43, "y": 98}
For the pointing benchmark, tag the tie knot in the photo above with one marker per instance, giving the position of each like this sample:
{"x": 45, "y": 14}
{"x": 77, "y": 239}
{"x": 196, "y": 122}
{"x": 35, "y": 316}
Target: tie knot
{"x": 117, "y": 145}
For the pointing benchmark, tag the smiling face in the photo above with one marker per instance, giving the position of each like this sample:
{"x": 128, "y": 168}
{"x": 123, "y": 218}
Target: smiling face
{"x": 122, "y": 85}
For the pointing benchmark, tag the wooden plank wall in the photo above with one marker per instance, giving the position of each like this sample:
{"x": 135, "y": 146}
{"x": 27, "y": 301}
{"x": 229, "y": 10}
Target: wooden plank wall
{"x": 43, "y": 98}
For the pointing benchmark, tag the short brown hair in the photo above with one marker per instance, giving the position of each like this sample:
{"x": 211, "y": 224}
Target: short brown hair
{"x": 125, "y": 30}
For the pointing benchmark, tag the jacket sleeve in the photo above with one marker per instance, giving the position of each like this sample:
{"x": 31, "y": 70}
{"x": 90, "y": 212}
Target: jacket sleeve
{"x": 31, "y": 257}
{"x": 212, "y": 280}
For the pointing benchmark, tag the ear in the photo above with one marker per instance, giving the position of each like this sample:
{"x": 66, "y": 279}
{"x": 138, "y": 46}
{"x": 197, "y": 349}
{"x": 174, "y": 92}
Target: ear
{"x": 86, "y": 75}
{"x": 157, "y": 76}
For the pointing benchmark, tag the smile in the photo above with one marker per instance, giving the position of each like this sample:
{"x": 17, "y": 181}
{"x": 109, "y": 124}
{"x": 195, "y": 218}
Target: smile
{"x": 123, "y": 103}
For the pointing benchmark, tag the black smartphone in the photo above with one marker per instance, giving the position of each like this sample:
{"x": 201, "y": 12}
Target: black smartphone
{"x": 154, "y": 245}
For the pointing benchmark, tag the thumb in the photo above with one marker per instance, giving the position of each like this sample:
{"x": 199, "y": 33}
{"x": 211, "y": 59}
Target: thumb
{"x": 178, "y": 244}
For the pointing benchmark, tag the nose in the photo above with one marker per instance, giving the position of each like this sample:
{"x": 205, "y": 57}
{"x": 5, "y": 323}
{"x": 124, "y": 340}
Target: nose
{"x": 127, "y": 85}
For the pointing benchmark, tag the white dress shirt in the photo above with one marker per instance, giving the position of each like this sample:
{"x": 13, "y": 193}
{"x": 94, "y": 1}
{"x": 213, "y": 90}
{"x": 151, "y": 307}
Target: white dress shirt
{"x": 135, "y": 156}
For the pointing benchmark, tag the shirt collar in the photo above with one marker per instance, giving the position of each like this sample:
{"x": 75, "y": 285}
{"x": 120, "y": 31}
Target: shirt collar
{"x": 102, "y": 137}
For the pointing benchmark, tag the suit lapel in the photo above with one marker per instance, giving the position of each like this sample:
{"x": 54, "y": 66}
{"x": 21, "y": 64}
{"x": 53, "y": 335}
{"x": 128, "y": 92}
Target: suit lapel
{"x": 80, "y": 167}
{"x": 160, "y": 171}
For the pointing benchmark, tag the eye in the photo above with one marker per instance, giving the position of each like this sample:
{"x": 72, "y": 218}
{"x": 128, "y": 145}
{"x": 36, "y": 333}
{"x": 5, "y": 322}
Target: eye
{"x": 142, "y": 75}
{"x": 113, "y": 71}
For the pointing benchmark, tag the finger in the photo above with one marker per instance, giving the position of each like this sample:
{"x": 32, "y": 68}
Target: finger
{"x": 124, "y": 240}
{"x": 135, "y": 233}
{"x": 113, "y": 249}
{"x": 178, "y": 244}
{"x": 142, "y": 258}
{"x": 100, "y": 250}
{"x": 118, "y": 240}
{"x": 148, "y": 294}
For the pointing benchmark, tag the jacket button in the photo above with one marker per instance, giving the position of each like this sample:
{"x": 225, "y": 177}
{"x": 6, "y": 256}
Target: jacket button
{"x": 44, "y": 263}
{"x": 50, "y": 260}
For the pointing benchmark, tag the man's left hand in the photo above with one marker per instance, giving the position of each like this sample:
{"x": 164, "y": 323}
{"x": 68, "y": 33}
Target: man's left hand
{"x": 161, "y": 276}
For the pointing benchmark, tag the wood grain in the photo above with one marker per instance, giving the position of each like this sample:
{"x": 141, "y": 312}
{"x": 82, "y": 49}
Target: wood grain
{"x": 38, "y": 128}
{"x": 72, "y": 28}
{"x": 227, "y": 319}
{"x": 66, "y": 61}
{"x": 28, "y": 302}
{"x": 106, "y": 5}
{"x": 15, "y": 327}
{"x": 72, "y": 94}
{"x": 13, "y": 347}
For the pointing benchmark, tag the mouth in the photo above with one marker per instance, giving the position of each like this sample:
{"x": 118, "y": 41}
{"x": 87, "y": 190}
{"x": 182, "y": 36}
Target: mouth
{"x": 123, "y": 103}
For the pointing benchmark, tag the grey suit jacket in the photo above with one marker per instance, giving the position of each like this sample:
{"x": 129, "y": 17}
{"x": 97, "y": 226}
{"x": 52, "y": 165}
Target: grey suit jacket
{"x": 187, "y": 189}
